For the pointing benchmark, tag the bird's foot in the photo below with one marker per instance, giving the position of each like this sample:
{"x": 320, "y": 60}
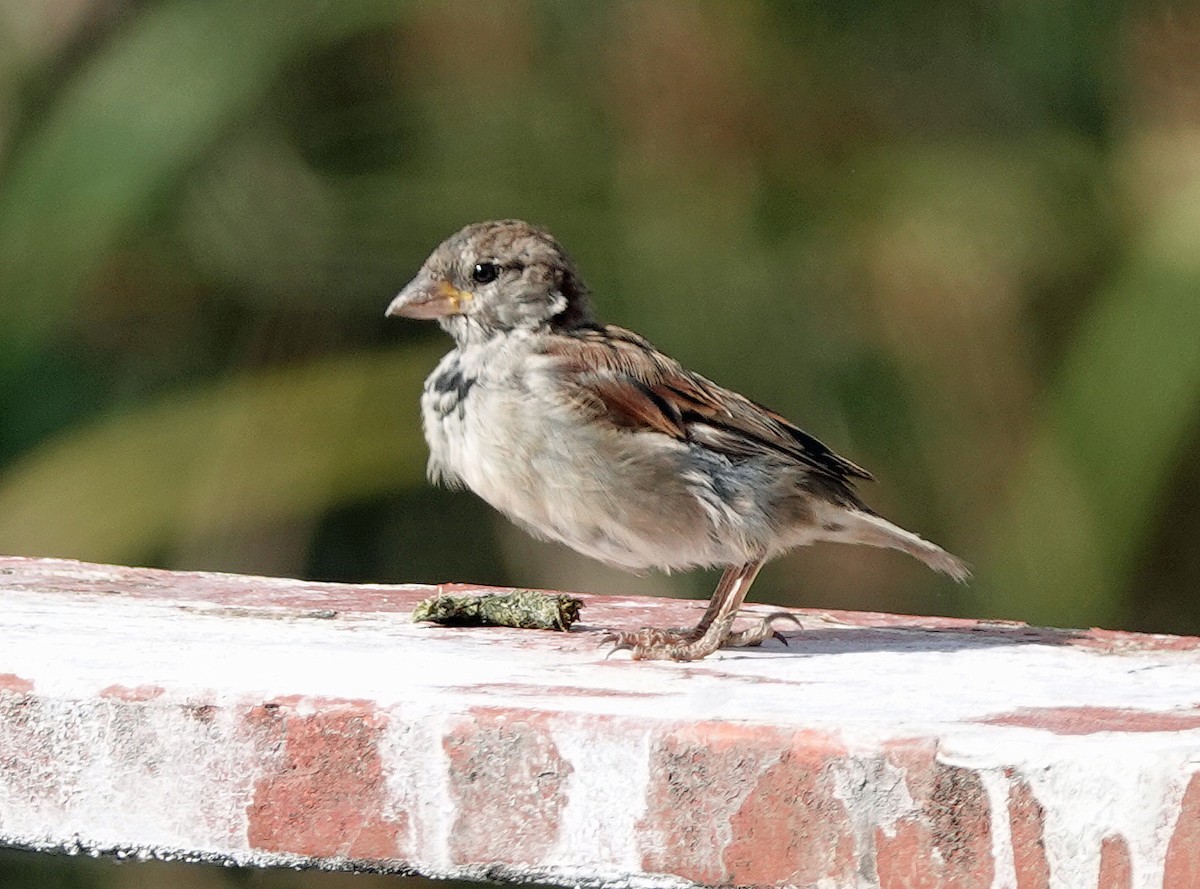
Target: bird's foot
{"x": 764, "y": 629}
{"x": 682, "y": 644}
{"x": 654, "y": 644}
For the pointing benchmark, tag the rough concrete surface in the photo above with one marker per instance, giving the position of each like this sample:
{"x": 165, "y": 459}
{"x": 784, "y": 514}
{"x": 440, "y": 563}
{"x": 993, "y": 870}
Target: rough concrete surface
{"x": 269, "y": 721}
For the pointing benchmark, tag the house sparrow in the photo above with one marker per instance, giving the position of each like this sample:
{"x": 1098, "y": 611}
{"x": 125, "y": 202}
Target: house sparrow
{"x": 586, "y": 434}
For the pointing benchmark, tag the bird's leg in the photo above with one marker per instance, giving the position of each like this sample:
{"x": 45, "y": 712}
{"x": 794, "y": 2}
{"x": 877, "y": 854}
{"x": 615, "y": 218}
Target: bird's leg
{"x": 708, "y": 635}
{"x": 750, "y": 636}
{"x": 716, "y": 601}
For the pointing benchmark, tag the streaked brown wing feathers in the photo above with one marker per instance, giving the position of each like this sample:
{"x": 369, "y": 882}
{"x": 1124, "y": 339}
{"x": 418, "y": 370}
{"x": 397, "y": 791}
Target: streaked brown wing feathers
{"x": 631, "y": 403}
{"x": 640, "y": 387}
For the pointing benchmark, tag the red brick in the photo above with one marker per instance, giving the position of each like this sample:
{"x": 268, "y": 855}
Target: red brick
{"x": 1089, "y": 720}
{"x": 1027, "y": 818}
{"x": 700, "y": 777}
{"x": 325, "y": 794}
{"x": 507, "y": 786}
{"x": 134, "y": 693}
{"x": 953, "y": 820}
{"x": 1116, "y": 872}
{"x": 747, "y": 805}
{"x": 903, "y": 858}
{"x": 1183, "y": 851}
{"x": 791, "y": 825}
{"x": 28, "y": 765}
{"x": 12, "y": 682}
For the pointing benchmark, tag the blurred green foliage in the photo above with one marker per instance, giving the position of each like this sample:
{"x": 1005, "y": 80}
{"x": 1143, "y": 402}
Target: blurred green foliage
{"x": 960, "y": 242}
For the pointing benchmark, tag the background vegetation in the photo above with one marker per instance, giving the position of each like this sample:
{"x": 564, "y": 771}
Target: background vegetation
{"x": 958, "y": 241}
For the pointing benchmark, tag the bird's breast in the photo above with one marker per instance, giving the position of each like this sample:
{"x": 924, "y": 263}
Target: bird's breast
{"x": 476, "y": 412}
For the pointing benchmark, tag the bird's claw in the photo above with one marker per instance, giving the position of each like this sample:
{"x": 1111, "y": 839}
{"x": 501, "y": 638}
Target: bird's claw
{"x": 763, "y": 630}
{"x": 619, "y": 642}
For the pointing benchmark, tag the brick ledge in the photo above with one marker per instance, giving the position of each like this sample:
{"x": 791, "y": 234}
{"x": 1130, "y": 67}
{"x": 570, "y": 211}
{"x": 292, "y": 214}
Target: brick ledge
{"x": 269, "y": 721}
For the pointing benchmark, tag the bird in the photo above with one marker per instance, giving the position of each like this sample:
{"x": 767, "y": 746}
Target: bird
{"x": 586, "y": 434}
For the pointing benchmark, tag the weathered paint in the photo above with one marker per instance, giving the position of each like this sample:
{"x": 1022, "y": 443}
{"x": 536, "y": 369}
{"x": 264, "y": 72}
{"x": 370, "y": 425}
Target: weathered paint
{"x": 271, "y": 721}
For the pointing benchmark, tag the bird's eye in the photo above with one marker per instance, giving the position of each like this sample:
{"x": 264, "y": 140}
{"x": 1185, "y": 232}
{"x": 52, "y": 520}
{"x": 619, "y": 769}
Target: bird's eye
{"x": 485, "y": 272}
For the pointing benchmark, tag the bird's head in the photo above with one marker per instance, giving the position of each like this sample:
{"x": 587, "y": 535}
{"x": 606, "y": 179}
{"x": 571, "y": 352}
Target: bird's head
{"x": 494, "y": 277}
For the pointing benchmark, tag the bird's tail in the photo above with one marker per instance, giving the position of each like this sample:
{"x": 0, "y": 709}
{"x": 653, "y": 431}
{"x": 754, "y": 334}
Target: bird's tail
{"x": 873, "y": 530}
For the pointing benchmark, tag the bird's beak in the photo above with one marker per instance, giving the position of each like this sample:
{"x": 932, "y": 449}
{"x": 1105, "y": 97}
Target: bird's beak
{"x": 424, "y": 297}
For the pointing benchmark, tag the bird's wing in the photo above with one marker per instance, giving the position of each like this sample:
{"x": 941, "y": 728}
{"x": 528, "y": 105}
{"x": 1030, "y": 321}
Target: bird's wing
{"x": 630, "y": 383}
